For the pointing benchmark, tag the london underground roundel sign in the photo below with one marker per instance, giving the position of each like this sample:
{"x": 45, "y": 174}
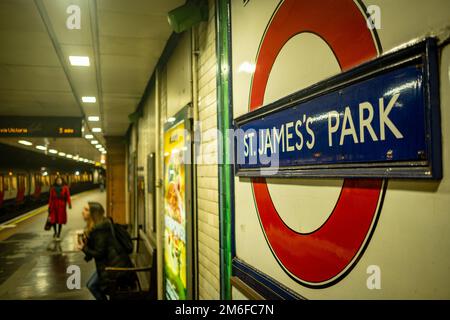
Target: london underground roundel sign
{"x": 326, "y": 255}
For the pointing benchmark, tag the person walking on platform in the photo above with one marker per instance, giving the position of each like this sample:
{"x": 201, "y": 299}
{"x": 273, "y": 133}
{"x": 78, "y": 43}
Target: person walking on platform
{"x": 102, "y": 246}
{"x": 101, "y": 181}
{"x": 58, "y": 200}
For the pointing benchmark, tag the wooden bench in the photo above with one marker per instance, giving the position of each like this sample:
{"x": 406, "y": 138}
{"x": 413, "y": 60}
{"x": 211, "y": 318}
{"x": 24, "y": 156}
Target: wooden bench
{"x": 144, "y": 267}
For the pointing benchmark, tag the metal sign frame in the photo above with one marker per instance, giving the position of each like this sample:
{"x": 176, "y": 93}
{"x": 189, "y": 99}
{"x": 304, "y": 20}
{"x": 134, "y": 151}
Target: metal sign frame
{"x": 424, "y": 54}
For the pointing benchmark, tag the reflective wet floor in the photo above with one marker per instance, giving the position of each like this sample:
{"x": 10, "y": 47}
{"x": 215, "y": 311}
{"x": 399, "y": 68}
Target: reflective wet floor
{"x": 35, "y": 266}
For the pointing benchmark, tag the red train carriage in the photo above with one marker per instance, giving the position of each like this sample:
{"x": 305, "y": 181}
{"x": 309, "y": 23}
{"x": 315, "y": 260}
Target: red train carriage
{"x": 22, "y": 190}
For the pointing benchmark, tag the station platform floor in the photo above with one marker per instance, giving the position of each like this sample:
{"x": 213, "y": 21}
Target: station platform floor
{"x": 33, "y": 265}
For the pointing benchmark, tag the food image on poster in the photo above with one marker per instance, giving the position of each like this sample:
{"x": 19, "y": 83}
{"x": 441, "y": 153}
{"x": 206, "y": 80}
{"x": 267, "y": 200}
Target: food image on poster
{"x": 174, "y": 213}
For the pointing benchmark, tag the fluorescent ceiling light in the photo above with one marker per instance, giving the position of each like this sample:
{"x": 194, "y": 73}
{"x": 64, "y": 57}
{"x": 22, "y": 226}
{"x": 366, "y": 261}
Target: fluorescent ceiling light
{"x": 53, "y": 151}
{"x": 102, "y": 161}
{"x": 94, "y": 142}
{"x": 25, "y": 142}
{"x": 62, "y": 154}
{"x": 104, "y": 152}
{"x": 89, "y": 99}
{"x": 94, "y": 118}
{"x": 69, "y": 156}
{"x": 41, "y": 148}
{"x": 82, "y": 61}
{"x": 89, "y": 136}
{"x": 98, "y": 146}
{"x": 96, "y": 129}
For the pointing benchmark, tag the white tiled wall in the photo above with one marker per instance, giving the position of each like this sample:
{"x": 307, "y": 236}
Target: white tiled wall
{"x": 207, "y": 174}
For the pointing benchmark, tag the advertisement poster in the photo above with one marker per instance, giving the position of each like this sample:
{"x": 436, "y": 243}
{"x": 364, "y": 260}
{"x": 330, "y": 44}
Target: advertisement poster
{"x": 175, "y": 213}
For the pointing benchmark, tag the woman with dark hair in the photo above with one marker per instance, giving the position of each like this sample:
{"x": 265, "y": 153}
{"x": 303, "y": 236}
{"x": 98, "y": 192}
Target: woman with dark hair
{"x": 101, "y": 245}
{"x": 57, "y": 204}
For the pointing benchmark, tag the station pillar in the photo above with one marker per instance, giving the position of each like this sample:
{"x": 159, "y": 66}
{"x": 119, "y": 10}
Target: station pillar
{"x": 115, "y": 179}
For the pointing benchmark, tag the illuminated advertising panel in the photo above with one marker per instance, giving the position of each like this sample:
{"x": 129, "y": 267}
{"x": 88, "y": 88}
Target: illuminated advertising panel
{"x": 177, "y": 211}
{"x": 58, "y": 127}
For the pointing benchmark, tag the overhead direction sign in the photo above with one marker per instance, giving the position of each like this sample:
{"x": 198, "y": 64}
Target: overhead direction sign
{"x": 57, "y": 127}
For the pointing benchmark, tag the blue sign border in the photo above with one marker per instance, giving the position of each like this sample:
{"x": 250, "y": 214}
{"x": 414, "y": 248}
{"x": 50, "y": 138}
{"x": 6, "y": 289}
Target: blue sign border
{"x": 424, "y": 54}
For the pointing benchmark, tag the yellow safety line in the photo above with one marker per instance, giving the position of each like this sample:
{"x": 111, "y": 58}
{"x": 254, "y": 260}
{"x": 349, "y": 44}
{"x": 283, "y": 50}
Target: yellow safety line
{"x": 32, "y": 214}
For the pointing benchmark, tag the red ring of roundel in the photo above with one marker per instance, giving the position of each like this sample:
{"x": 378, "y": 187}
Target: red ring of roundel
{"x": 320, "y": 257}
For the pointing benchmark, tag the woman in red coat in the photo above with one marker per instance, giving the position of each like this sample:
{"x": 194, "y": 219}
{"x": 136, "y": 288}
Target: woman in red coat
{"x": 58, "y": 200}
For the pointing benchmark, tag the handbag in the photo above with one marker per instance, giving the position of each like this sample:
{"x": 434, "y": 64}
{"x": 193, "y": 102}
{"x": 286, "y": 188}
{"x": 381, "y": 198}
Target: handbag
{"x": 48, "y": 223}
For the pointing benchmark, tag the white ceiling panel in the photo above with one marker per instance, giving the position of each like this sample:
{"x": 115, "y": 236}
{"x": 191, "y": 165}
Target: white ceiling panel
{"x": 20, "y": 15}
{"x": 123, "y": 40}
{"x": 38, "y": 103}
{"x": 17, "y": 77}
{"x": 123, "y": 74}
{"x": 120, "y": 103}
{"x": 133, "y": 25}
{"x": 125, "y": 46}
{"x": 85, "y": 81}
{"x": 57, "y": 12}
{"x": 116, "y": 113}
{"x": 27, "y": 48}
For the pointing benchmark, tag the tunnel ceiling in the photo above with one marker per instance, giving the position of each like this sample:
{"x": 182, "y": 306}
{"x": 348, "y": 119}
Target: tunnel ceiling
{"x": 123, "y": 40}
